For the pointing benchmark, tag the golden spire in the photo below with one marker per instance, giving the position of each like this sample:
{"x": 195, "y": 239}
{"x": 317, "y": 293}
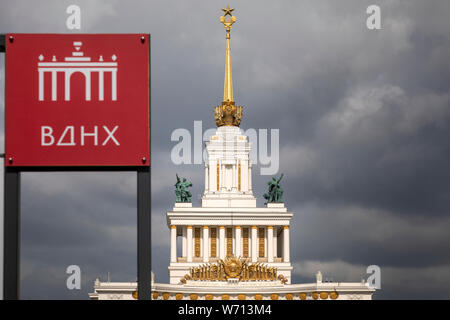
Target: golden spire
{"x": 228, "y": 114}
{"x": 228, "y": 19}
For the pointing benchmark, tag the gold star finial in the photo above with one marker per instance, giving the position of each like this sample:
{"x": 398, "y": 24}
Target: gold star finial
{"x": 227, "y": 11}
{"x": 227, "y": 21}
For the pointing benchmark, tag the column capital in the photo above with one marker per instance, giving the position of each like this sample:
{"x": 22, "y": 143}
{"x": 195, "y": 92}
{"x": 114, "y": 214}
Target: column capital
{"x": 205, "y": 227}
{"x": 285, "y": 227}
{"x": 237, "y": 227}
{"x": 173, "y": 226}
{"x": 222, "y": 227}
{"x": 189, "y": 227}
{"x": 254, "y": 227}
{"x": 269, "y": 227}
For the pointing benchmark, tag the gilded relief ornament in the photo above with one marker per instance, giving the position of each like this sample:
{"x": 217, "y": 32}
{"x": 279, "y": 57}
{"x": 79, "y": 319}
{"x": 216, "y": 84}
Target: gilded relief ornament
{"x": 233, "y": 268}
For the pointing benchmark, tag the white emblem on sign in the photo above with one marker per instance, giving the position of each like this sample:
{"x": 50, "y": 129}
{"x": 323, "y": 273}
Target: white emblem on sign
{"x": 78, "y": 63}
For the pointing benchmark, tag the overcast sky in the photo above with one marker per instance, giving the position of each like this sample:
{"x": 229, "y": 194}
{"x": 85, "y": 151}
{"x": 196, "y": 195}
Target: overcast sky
{"x": 364, "y": 120}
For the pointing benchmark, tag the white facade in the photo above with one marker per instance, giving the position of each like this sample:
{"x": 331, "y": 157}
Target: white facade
{"x": 237, "y": 291}
{"x": 228, "y": 170}
{"x": 229, "y": 224}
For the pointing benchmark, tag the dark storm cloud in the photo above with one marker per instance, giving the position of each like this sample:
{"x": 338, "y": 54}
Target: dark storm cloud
{"x": 86, "y": 219}
{"x": 364, "y": 126}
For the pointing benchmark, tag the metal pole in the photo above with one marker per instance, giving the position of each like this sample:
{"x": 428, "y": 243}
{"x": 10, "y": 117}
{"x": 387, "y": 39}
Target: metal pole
{"x": 144, "y": 213}
{"x": 11, "y": 242}
{"x": 2, "y": 43}
{"x": 2, "y": 49}
{"x": 11, "y": 225}
{"x": 143, "y": 234}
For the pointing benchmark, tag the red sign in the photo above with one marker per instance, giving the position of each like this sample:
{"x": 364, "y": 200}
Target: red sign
{"x": 77, "y": 100}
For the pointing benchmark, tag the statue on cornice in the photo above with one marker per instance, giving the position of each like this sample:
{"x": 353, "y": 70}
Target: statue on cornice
{"x": 181, "y": 190}
{"x": 275, "y": 193}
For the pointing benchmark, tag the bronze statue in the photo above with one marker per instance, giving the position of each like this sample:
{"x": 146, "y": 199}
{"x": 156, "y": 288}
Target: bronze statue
{"x": 181, "y": 191}
{"x": 275, "y": 193}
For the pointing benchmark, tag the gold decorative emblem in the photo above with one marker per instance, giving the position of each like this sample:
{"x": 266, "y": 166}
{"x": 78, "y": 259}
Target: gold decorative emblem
{"x": 228, "y": 114}
{"x": 135, "y": 294}
{"x": 302, "y": 296}
{"x": 241, "y": 297}
{"x": 323, "y": 295}
{"x": 179, "y": 296}
{"x": 155, "y": 295}
{"x": 289, "y": 296}
{"x": 225, "y": 297}
{"x": 258, "y": 297}
{"x": 233, "y": 268}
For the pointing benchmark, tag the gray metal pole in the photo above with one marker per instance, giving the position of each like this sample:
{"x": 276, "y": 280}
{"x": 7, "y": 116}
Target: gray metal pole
{"x": 143, "y": 234}
{"x": 144, "y": 215}
{"x": 11, "y": 233}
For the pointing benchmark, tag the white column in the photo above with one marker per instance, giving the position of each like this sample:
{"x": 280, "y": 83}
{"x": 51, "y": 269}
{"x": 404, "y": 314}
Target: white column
{"x": 41, "y": 85}
{"x": 237, "y": 241}
{"x": 184, "y": 241}
{"x": 205, "y": 244}
{"x": 286, "y": 244}
{"x": 101, "y": 86}
{"x": 54, "y": 86}
{"x": 235, "y": 176}
{"x": 206, "y": 178}
{"x": 222, "y": 176}
{"x": 270, "y": 244}
{"x": 275, "y": 244}
{"x": 250, "y": 176}
{"x": 189, "y": 243}
{"x": 173, "y": 243}
{"x": 114, "y": 85}
{"x": 254, "y": 244}
{"x": 244, "y": 175}
{"x": 213, "y": 175}
{"x": 222, "y": 242}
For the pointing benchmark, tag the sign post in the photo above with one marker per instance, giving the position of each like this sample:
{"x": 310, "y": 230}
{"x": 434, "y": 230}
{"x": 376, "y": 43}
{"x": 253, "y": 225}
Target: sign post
{"x": 76, "y": 102}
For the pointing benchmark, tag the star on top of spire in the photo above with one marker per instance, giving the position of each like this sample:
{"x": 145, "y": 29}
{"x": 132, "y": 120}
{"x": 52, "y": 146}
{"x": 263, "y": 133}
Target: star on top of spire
{"x": 228, "y": 19}
{"x": 228, "y": 10}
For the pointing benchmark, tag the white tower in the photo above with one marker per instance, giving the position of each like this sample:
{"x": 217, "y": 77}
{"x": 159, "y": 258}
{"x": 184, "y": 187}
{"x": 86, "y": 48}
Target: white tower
{"x": 228, "y": 223}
